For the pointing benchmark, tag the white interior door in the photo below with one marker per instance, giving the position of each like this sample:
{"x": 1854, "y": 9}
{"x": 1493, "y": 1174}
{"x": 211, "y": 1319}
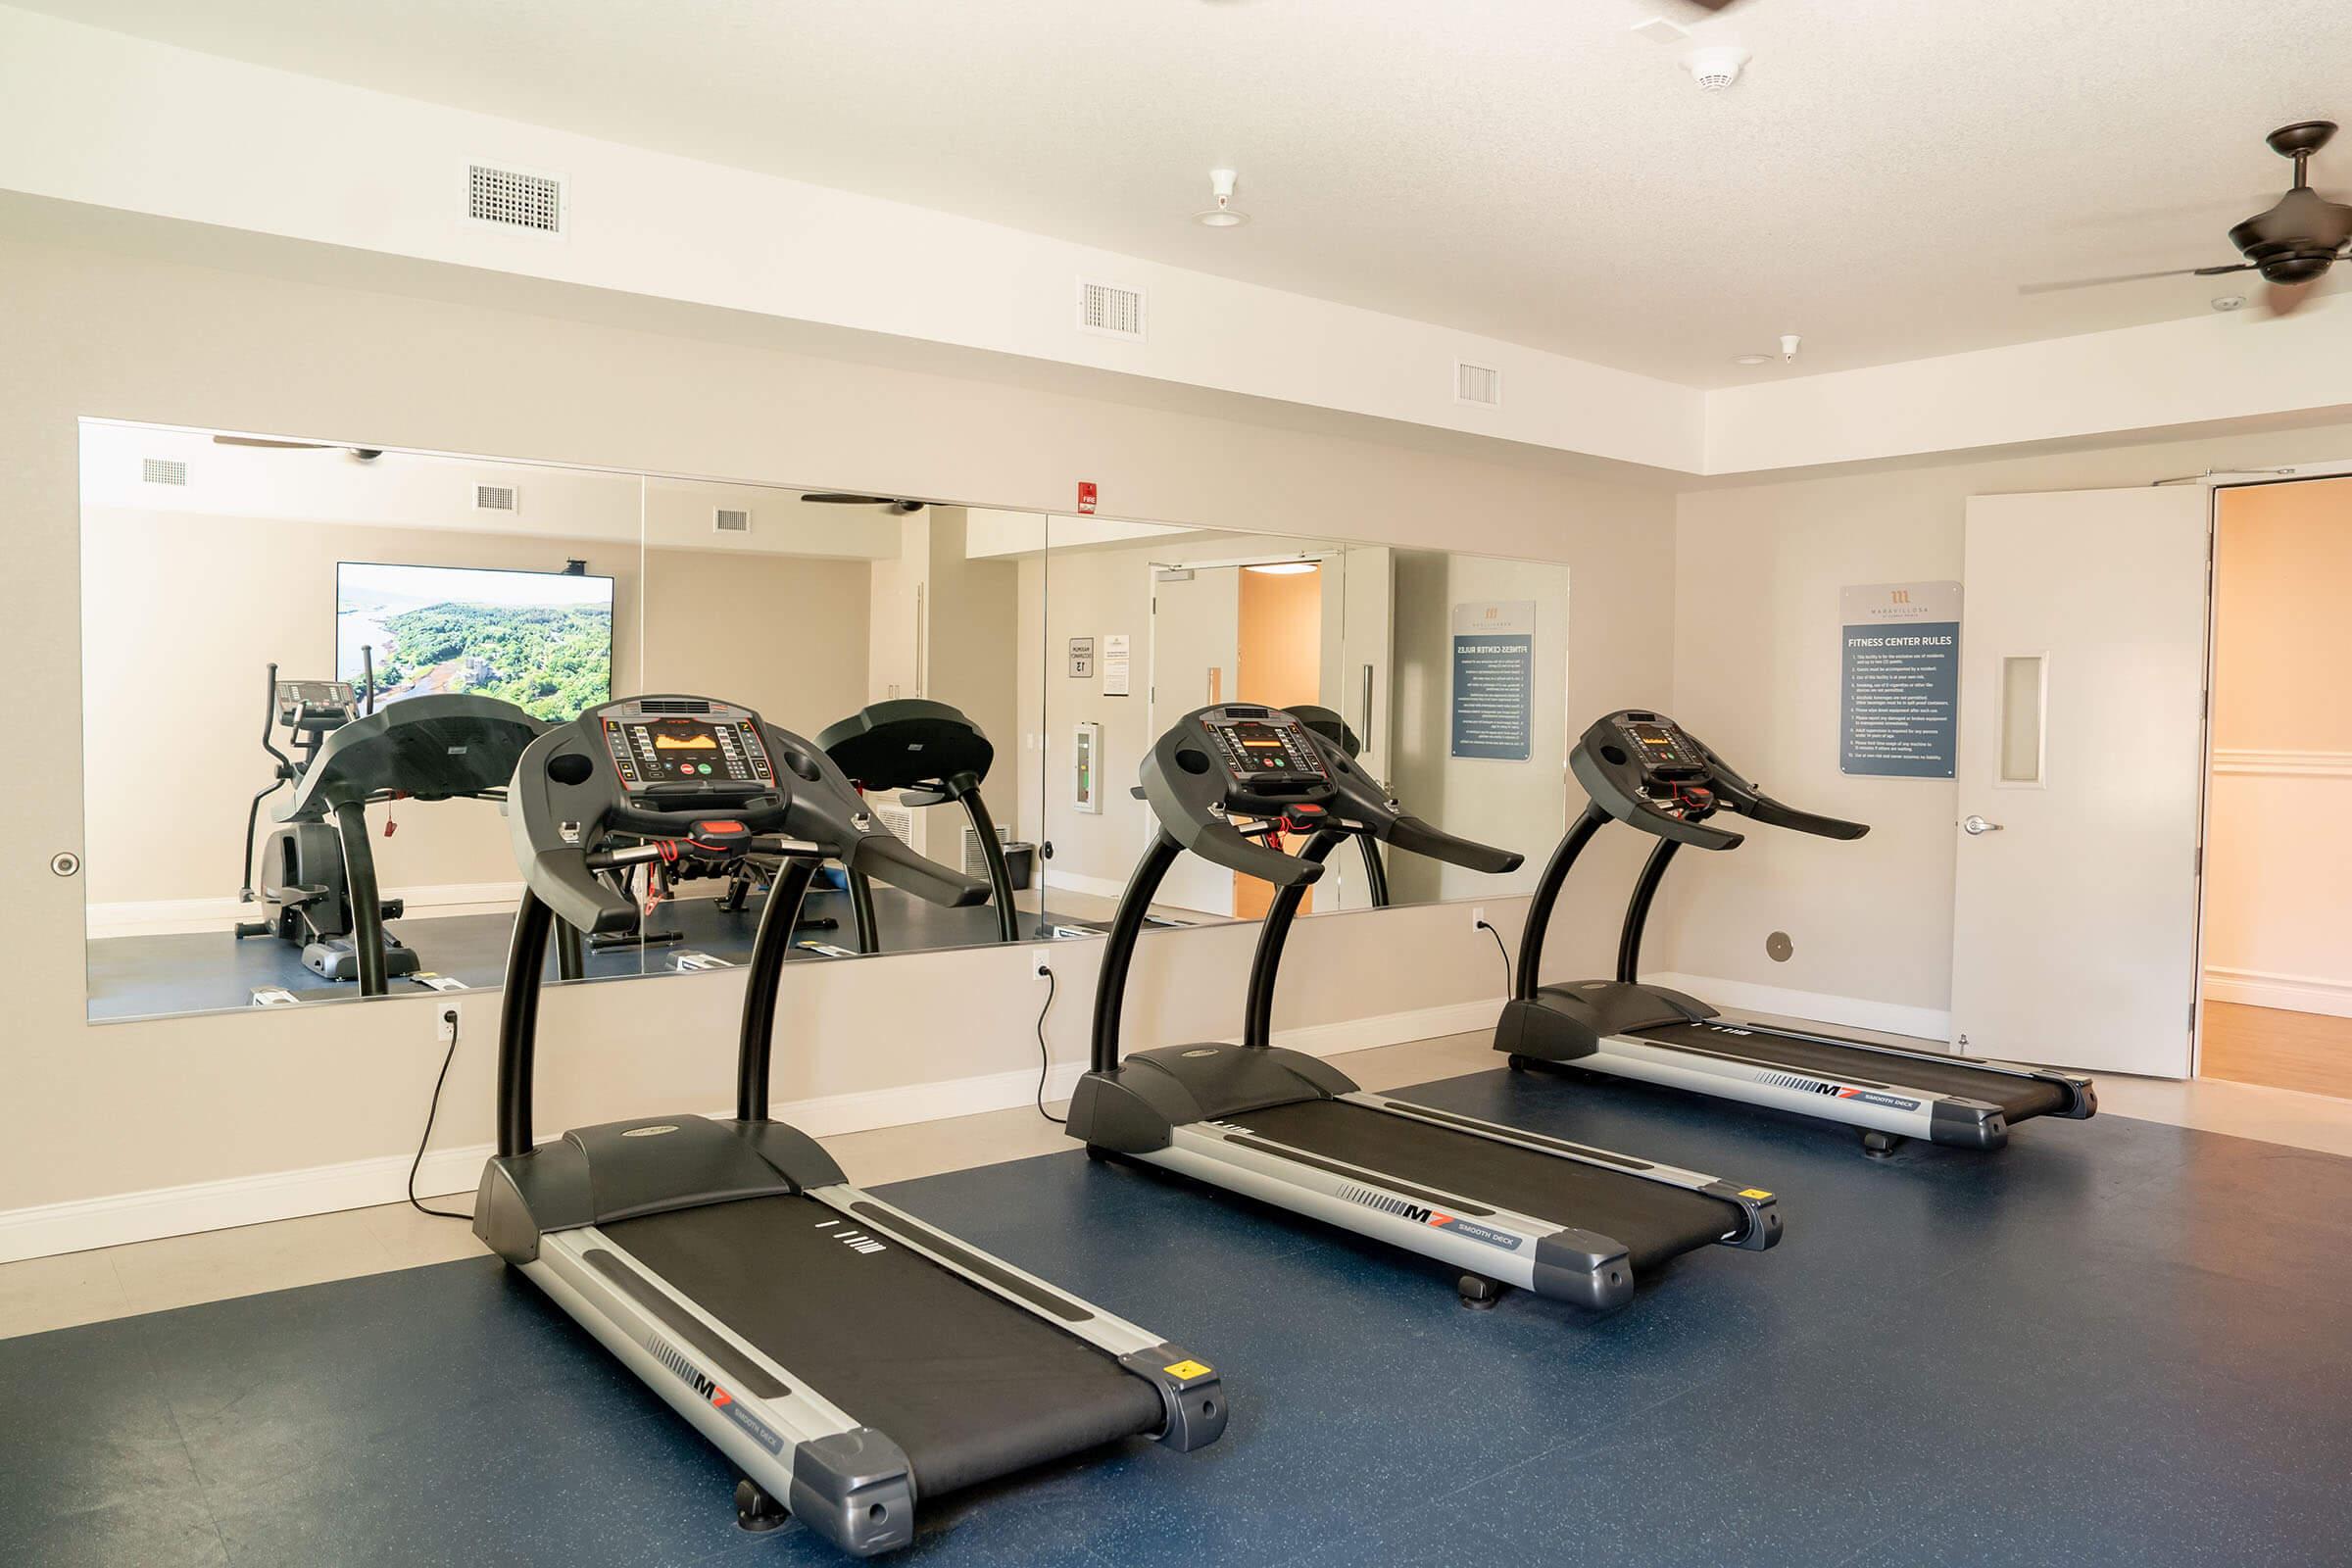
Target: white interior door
{"x": 1196, "y": 656}
{"x": 2080, "y": 778}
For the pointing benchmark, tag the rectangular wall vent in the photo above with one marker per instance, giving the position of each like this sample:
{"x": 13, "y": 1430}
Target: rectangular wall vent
{"x": 513, "y": 198}
{"x": 729, "y": 520}
{"x": 163, "y": 471}
{"x": 1109, "y": 311}
{"x": 1477, "y": 383}
{"x": 975, "y": 864}
{"x": 497, "y": 497}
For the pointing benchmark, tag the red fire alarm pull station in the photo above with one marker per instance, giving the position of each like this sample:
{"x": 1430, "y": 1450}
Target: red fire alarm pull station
{"x": 1085, "y": 498}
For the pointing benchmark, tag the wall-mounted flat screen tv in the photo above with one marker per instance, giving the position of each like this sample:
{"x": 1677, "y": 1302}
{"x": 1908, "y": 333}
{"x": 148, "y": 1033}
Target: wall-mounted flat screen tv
{"x": 541, "y": 640}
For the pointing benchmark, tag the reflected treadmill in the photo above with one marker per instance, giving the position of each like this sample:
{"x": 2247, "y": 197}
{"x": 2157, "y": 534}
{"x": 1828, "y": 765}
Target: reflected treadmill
{"x": 931, "y": 754}
{"x": 854, "y": 1362}
{"x": 1649, "y": 772}
{"x": 1505, "y": 1208}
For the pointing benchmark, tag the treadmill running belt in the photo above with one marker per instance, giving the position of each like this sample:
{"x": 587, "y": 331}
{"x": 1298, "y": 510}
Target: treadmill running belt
{"x": 2019, "y": 1097}
{"x": 1654, "y": 1220}
{"x": 970, "y": 1386}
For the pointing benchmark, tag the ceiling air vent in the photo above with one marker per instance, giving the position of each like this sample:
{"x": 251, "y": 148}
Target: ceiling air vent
{"x": 497, "y": 497}
{"x": 1109, "y": 311}
{"x": 1481, "y": 384}
{"x": 513, "y": 198}
{"x": 729, "y": 520}
{"x": 163, "y": 471}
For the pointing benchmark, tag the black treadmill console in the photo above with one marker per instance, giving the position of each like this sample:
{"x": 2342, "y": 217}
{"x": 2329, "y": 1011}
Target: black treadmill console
{"x": 1647, "y": 771}
{"x": 911, "y": 743}
{"x": 657, "y": 752}
{"x": 693, "y": 777}
{"x": 1270, "y": 756}
{"x": 1240, "y": 761}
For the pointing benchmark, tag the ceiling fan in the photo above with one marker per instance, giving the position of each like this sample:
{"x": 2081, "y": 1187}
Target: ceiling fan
{"x": 836, "y": 498}
{"x": 363, "y": 454}
{"x": 2292, "y": 245}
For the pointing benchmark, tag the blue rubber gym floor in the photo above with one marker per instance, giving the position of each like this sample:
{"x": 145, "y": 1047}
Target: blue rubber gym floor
{"x": 2117, "y": 1342}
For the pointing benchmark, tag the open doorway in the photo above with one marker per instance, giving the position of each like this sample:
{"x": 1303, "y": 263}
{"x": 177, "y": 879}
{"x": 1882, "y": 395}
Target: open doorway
{"x": 2277, "y": 972}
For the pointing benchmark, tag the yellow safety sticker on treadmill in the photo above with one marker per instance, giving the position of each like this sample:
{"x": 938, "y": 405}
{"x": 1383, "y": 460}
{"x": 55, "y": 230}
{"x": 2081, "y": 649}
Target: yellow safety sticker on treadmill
{"x": 1185, "y": 1371}
{"x": 1753, "y": 1192}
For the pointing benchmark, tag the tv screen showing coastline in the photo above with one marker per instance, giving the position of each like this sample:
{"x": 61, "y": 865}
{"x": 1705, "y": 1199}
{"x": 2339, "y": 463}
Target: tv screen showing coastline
{"x": 541, "y": 640}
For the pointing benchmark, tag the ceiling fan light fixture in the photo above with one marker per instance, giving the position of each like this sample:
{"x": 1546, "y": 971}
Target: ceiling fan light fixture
{"x": 1224, "y": 215}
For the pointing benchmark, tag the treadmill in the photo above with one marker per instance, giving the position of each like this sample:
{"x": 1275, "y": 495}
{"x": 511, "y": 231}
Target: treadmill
{"x": 932, "y": 753}
{"x": 1505, "y": 1208}
{"x": 317, "y": 869}
{"x": 854, "y": 1362}
{"x": 1646, "y": 771}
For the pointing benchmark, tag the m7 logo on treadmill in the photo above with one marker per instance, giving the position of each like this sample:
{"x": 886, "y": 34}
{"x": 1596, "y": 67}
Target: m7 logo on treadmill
{"x": 1436, "y": 1218}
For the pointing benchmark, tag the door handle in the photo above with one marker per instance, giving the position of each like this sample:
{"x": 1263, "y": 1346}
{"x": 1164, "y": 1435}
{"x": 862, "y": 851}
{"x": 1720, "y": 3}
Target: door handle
{"x": 1976, "y": 827}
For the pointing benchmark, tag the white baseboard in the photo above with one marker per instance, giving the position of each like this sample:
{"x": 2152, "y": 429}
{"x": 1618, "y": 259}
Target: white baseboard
{"x": 166, "y": 917}
{"x": 1821, "y": 1007}
{"x": 2290, "y": 993}
{"x": 1101, "y": 886}
{"x": 123, "y": 1217}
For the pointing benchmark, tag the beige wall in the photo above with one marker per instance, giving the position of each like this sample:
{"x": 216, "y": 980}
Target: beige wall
{"x": 125, "y": 334}
{"x": 183, "y": 614}
{"x": 2278, "y": 810}
{"x": 1755, "y": 656}
{"x": 784, "y": 634}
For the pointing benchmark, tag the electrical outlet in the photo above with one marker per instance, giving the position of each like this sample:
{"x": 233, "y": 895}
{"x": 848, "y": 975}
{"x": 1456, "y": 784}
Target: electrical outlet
{"x": 1039, "y": 965}
{"x": 445, "y": 1023}
{"x": 1478, "y": 917}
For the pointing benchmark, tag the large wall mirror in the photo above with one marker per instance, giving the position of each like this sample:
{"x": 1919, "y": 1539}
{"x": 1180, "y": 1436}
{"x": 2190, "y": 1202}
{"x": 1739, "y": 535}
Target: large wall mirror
{"x": 1445, "y": 673}
{"x": 246, "y": 599}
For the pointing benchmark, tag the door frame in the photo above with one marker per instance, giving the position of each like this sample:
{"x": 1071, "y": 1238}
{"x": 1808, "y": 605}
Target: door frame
{"x": 2215, "y": 482}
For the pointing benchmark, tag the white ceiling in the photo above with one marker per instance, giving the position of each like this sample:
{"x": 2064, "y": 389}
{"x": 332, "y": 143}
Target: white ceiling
{"x": 1880, "y": 182}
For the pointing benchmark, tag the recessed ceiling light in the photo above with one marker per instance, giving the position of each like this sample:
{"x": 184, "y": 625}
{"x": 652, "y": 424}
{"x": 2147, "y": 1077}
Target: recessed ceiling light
{"x": 1281, "y": 568}
{"x": 1752, "y": 358}
{"x": 1224, "y": 215}
{"x": 2229, "y": 302}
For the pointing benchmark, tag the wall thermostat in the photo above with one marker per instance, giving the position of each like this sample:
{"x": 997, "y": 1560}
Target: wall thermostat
{"x": 1086, "y": 761}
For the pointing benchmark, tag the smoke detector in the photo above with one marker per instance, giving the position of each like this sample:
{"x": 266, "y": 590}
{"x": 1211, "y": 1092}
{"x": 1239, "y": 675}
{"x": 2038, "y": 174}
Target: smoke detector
{"x": 1224, "y": 215}
{"x": 1715, "y": 67}
{"x": 2230, "y": 301}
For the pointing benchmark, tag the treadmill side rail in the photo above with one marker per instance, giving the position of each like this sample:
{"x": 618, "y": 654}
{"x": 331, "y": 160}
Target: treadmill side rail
{"x": 1582, "y": 1267}
{"x": 1762, "y": 1208}
{"x": 854, "y": 1487}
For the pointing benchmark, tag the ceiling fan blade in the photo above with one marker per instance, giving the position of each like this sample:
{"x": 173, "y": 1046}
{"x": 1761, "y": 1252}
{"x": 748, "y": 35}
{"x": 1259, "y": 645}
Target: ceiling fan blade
{"x": 256, "y": 441}
{"x": 838, "y": 498}
{"x": 2124, "y": 277}
{"x": 2216, "y": 271}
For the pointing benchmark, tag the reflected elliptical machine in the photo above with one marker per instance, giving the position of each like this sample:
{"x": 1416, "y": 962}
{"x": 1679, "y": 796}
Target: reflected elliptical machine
{"x": 854, "y": 1362}
{"x": 1649, "y": 772}
{"x": 932, "y": 753}
{"x": 1501, "y": 1206}
{"x": 317, "y": 870}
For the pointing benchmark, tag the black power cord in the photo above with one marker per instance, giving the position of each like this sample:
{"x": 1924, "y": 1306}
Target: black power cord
{"x": 1505, "y": 951}
{"x": 449, "y": 1016}
{"x": 1044, "y": 1056}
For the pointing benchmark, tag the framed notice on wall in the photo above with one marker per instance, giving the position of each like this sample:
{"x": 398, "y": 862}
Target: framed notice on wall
{"x": 1899, "y": 679}
{"x": 1494, "y": 680}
